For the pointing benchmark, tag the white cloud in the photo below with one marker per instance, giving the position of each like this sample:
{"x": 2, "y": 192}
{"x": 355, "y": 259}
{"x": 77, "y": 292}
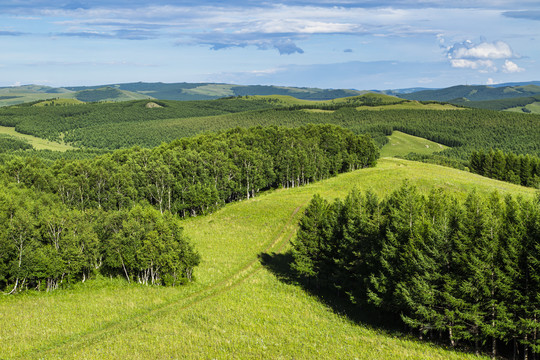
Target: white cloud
{"x": 484, "y": 50}
{"x": 511, "y": 67}
{"x": 490, "y": 81}
{"x": 473, "y": 64}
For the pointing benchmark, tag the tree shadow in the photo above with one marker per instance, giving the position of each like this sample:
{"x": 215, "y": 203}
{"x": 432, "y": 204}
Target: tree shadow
{"x": 340, "y": 303}
{"x": 279, "y": 264}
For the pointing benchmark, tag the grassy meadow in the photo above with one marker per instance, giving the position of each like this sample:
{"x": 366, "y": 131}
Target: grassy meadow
{"x": 534, "y": 108}
{"x": 401, "y": 144}
{"x": 237, "y": 307}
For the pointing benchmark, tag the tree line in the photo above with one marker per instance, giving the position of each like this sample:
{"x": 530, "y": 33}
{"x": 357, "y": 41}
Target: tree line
{"x": 117, "y": 214}
{"x": 469, "y": 269}
{"x": 507, "y": 166}
{"x": 193, "y": 176}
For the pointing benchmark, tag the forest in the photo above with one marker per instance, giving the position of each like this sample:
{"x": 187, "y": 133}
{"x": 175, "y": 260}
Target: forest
{"x": 115, "y": 125}
{"x": 468, "y": 269}
{"x": 117, "y": 214}
{"x": 496, "y": 164}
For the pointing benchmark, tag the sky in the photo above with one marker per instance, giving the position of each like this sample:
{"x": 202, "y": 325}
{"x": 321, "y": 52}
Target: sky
{"x": 364, "y": 44}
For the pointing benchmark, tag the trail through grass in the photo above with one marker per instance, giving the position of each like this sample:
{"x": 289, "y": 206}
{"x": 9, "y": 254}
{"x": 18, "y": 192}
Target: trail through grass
{"x": 236, "y": 308}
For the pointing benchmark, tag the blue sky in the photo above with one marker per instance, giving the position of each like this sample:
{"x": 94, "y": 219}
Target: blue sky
{"x": 364, "y": 44}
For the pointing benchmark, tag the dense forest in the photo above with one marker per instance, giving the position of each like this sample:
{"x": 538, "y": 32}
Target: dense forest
{"x": 518, "y": 169}
{"x": 47, "y": 244}
{"x": 56, "y": 122}
{"x": 467, "y": 268}
{"x": 116, "y": 214}
{"x": 113, "y": 126}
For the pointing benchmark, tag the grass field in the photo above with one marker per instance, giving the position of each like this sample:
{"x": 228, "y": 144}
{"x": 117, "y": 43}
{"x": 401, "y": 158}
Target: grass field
{"x": 287, "y": 100}
{"x": 414, "y": 105}
{"x": 59, "y": 102}
{"x": 237, "y": 308}
{"x": 401, "y": 144}
{"x": 37, "y": 143}
{"x": 533, "y": 107}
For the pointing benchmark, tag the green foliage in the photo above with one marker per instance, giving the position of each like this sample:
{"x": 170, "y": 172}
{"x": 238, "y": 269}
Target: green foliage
{"x": 47, "y": 244}
{"x": 465, "y": 268}
{"x": 95, "y": 201}
{"x": 517, "y": 169}
{"x": 10, "y": 144}
{"x": 74, "y": 124}
{"x": 195, "y": 176}
{"x": 465, "y": 131}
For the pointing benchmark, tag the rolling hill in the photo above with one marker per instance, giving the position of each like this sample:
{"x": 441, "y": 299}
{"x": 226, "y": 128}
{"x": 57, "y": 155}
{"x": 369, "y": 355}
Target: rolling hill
{"x": 36, "y": 93}
{"x": 473, "y": 93}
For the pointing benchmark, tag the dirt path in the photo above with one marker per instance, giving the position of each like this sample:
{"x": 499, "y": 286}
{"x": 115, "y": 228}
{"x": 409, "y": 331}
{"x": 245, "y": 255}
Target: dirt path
{"x": 89, "y": 338}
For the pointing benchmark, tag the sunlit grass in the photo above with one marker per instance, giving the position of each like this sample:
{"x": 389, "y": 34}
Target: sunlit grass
{"x": 401, "y": 144}
{"x": 37, "y": 143}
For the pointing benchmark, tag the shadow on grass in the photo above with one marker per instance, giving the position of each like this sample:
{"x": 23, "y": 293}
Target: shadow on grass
{"x": 280, "y": 266}
{"x": 366, "y": 315}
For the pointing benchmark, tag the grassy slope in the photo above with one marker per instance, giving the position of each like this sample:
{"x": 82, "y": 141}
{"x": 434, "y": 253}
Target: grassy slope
{"x": 533, "y": 107}
{"x": 287, "y": 100}
{"x": 412, "y": 105}
{"x": 59, "y": 102}
{"x": 236, "y": 308}
{"x": 401, "y": 144}
{"x": 37, "y": 143}
{"x": 20, "y": 96}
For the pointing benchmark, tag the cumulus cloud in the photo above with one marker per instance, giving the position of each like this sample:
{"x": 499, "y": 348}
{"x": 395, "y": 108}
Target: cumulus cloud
{"x": 484, "y": 56}
{"x": 511, "y": 67}
{"x": 484, "y": 50}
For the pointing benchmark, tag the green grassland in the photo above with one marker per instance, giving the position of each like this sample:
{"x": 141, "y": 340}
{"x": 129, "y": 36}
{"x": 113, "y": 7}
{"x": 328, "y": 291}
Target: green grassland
{"x": 237, "y": 308}
{"x": 37, "y": 143}
{"x": 533, "y": 108}
{"x": 59, "y": 102}
{"x": 401, "y": 144}
{"x": 367, "y": 98}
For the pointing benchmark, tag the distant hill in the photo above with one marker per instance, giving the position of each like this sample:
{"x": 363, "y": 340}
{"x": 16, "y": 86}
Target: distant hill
{"x": 474, "y": 93}
{"x": 164, "y": 91}
{"x": 530, "y": 104}
{"x": 209, "y": 91}
{"x": 31, "y": 93}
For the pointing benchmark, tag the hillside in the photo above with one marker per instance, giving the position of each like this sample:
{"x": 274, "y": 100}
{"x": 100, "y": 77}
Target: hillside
{"x": 208, "y": 91}
{"x": 520, "y": 104}
{"x": 401, "y": 144}
{"x": 473, "y": 93}
{"x": 238, "y": 306}
{"x": 36, "y": 93}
